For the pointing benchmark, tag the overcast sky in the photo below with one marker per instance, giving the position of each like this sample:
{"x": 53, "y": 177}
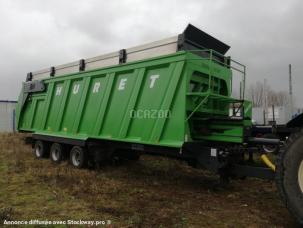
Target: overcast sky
{"x": 35, "y": 34}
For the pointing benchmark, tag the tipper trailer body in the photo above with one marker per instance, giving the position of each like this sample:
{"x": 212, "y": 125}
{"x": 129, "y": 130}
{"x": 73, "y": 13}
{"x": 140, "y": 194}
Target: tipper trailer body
{"x": 171, "y": 97}
{"x": 115, "y": 103}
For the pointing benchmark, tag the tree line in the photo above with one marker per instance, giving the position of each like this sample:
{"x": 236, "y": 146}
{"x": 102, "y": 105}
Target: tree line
{"x": 261, "y": 94}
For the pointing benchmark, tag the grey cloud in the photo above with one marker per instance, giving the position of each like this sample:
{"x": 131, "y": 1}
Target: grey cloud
{"x": 265, "y": 35}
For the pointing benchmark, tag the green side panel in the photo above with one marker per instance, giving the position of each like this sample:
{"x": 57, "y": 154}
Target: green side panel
{"x": 94, "y": 101}
{"x": 37, "y": 119}
{"x": 154, "y": 103}
{"x": 25, "y": 116}
{"x": 54, "y": 106}
{"x": 70, "y": 106}
{"x": 142, "y": 102}
{"x": 173, "y": 128}
{"x": 161, "y": 101}
{"x": 116, "y": 112}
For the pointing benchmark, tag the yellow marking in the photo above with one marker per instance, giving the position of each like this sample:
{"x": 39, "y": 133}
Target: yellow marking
{"x": 266, "y": 160}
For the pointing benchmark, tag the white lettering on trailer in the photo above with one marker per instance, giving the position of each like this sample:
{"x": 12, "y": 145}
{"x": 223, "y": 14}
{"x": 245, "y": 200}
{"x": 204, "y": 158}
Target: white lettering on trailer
{"x": 58, "y": 90}
{"x": 96, "y": 87}
{"x": 153, "y": 79}
{"x": 76, "y": 89}
{"x": 122, "y": 84}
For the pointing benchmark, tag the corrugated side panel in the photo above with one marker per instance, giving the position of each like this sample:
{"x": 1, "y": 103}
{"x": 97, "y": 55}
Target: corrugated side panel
{"x": 7, "y": 116}
{"x": 143, "y": 103}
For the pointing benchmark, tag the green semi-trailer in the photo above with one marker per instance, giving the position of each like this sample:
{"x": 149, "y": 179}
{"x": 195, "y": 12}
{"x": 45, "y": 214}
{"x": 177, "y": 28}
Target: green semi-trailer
{"x": 171, "y": 97}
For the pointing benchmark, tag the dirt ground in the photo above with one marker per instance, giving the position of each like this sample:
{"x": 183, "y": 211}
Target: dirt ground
{"x": 151, "y": 192}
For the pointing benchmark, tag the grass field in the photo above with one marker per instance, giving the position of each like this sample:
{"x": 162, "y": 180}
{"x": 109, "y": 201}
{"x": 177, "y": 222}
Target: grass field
{"x": 151, "y": 192}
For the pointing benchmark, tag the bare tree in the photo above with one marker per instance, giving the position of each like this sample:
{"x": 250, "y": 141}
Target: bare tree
{"x": 279, "y": 98}
{"x": 257, "y": 91}
{"x": 256, "y": 94}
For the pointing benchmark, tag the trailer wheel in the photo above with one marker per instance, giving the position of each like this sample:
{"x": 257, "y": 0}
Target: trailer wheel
{"x": 78, "y": 157}
{"x": 40, "y": 149}
{"x": 289, "y": 175}
{"x": 56, "y": 152}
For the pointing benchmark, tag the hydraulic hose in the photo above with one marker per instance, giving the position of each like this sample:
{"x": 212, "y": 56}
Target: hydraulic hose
{"x": 267, "y": 161}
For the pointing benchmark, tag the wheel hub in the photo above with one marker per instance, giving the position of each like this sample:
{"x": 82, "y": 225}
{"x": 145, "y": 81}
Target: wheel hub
{"x": 38, "y": 151}
{"x": 300, "y": 176}
{"x": 76, "y": 158}
{"x": 55, "y": 155}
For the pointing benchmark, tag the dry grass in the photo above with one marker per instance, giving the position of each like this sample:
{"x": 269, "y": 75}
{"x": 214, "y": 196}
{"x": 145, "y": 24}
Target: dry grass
{"x": 153, "y": 192}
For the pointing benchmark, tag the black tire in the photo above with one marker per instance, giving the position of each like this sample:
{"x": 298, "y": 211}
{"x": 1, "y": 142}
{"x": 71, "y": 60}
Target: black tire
{"x": 289, "y": 167}
{"x": 78, "y": 157}
{"x": 56, "y": 153}
{"x": 41, "y": 149}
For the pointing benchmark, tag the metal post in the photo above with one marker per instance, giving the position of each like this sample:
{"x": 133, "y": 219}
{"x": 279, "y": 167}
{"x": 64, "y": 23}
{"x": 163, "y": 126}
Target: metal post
{"x": 273, "y": 115}
{"x": 290, "y": 92}
{"x": 240, "y": 90}
{"x": 265, "y": 100}
{"x": 244, "y": 81}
